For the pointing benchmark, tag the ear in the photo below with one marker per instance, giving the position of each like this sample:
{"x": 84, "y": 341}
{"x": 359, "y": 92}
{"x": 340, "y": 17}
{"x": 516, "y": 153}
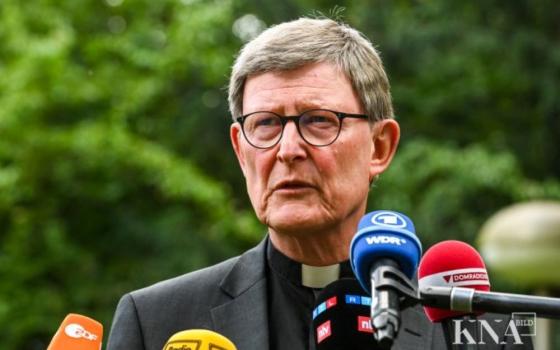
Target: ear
{"x": 235, "y": 135}
{"x": 386, "y": 135}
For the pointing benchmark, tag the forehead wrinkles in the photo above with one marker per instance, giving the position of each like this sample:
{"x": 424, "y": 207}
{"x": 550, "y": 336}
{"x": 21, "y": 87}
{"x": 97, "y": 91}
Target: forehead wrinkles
{"x": 319, "y": 75}
{"x": 280, "y": 83}
{"x": 315, "y": 86}
{"x": 290, "y": 100}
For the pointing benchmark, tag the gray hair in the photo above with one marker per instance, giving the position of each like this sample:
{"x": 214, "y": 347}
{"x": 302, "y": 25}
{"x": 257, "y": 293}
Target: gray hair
{"x": 293, "y": 44}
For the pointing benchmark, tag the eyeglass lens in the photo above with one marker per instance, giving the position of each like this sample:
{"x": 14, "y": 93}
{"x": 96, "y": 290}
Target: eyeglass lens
{"x": 317, "y": 127}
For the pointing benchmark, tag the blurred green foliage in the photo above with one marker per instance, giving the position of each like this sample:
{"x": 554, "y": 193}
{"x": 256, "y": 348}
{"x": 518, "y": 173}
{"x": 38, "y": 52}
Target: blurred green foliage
{"x": 451, "y": 191}
{"x": 115, "y": 164}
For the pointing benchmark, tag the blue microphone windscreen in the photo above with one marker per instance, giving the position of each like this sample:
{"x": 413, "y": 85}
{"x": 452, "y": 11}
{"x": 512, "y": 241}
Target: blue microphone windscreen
{"x": 384, "y": 234}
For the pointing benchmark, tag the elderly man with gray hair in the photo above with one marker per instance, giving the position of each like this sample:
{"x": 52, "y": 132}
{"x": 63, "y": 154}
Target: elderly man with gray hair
{"x": 312, "y": 129}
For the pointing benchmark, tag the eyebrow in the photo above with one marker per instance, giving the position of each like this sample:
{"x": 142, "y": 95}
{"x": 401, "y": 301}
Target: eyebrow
{"x": 302, "y": 106}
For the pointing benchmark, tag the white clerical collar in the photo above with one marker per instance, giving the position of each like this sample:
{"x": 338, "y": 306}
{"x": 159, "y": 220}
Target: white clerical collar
{"x": 319, "y": 276}
{"x": 305, "y": 275}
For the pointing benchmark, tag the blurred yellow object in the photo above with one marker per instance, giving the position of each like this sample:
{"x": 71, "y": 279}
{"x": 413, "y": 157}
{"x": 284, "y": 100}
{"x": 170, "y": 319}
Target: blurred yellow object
{"x": 521, "y": 244}
{"x": 198, "y": 339}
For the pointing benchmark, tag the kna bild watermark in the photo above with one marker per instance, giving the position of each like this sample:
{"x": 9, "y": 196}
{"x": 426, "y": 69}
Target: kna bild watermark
{"x": 517, "y": 330}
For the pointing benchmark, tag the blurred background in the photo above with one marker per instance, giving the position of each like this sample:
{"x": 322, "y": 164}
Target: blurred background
{"x": 116, "y": 169}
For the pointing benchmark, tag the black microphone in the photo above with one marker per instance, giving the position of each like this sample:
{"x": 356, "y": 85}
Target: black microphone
{"x": 384, "y": 255}
{"x": 341, "y": 317}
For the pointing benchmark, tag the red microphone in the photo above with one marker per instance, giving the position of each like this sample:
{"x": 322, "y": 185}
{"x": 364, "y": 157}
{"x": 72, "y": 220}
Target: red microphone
{"x": 451, "y": 264}
{"x": 452, "y": 281}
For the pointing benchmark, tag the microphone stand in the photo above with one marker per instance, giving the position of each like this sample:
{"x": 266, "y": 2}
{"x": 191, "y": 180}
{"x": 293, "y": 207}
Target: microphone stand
{"x": 388, "y": 280}
{"x": 469, "y": 300}
{"x": 385, "y": 313}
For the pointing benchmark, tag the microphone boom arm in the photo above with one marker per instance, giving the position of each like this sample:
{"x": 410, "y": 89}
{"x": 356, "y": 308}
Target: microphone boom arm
{"x": 471, "y": 300}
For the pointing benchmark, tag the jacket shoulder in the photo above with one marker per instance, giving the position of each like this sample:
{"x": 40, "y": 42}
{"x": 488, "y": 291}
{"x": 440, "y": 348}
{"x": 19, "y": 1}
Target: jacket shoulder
{"x": 194, "y": 284}
{"x": 145, "y": 318}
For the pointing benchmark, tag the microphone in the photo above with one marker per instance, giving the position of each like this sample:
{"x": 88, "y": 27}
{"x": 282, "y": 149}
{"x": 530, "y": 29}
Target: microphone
{"x": 341, "y": 317}
{"x": 450, "y": 266}
{"x": 384, "y": 255}
{"x": 77, "y": 332}
{"x": 453, "y": 264}
{"x": 199, "y": 339}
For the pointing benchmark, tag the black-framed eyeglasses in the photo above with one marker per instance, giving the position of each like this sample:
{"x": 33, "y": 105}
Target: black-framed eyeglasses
{"x": 318, "y": 127}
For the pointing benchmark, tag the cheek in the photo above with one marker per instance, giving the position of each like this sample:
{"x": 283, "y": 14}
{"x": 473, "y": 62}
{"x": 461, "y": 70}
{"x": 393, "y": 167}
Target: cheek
{"x": 258, "y": 172}
{"x": 352, "y": 163}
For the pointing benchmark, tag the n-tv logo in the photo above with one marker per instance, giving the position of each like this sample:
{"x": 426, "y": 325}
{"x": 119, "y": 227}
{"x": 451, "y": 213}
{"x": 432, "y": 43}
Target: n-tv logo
{"x": 323, "y": 331}
{"x": 331, "y": 302}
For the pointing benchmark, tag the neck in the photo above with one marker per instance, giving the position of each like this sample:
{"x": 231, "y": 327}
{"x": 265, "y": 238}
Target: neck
{"x": 315, "y": 249}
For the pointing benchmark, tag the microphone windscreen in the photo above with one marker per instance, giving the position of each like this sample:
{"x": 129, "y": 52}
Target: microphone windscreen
{"x": 77, "y": 332}
{"x": 198, "y": 339}
{"x": 341, "y": 317}
{"x": 451, "y": 264}
{"x": 384, "y": 234}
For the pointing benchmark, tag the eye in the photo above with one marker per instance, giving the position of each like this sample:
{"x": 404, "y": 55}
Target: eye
{"x": 262, "y": 121}
{"x": 315, "y": 118}
{"x": 270, "y": 120}
{"x": 319, "y": 118}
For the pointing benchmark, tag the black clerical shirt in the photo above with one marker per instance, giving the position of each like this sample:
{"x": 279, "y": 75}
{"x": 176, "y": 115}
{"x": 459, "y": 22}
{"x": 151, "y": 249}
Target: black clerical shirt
{"x": 290, "y": 303}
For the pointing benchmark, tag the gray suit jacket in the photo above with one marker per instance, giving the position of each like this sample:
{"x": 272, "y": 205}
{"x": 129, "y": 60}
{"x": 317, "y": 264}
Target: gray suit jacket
{"x": 231, "y": 299}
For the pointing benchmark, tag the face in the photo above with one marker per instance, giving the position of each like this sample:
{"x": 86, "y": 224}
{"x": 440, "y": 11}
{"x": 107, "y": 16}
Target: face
{"x": 295, "y": 187}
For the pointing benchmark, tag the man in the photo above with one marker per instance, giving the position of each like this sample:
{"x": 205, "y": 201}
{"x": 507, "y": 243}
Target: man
{"x": 313, "y": 128}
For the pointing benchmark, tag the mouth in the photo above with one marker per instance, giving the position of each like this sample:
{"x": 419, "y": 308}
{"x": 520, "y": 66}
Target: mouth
{"x": 293, "y": 185}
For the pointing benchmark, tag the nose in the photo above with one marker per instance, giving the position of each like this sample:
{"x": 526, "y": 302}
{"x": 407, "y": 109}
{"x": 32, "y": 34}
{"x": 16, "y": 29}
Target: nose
{"x": 291, "y": 145}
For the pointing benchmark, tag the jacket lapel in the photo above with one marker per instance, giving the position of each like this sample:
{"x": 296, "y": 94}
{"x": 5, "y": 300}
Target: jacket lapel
{"x": 416, "y": 332}
{"x": 244, "y": 318}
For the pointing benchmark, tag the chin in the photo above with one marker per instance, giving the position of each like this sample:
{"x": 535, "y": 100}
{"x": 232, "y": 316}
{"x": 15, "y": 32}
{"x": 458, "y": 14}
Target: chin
{"x": 296, "y": 220}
